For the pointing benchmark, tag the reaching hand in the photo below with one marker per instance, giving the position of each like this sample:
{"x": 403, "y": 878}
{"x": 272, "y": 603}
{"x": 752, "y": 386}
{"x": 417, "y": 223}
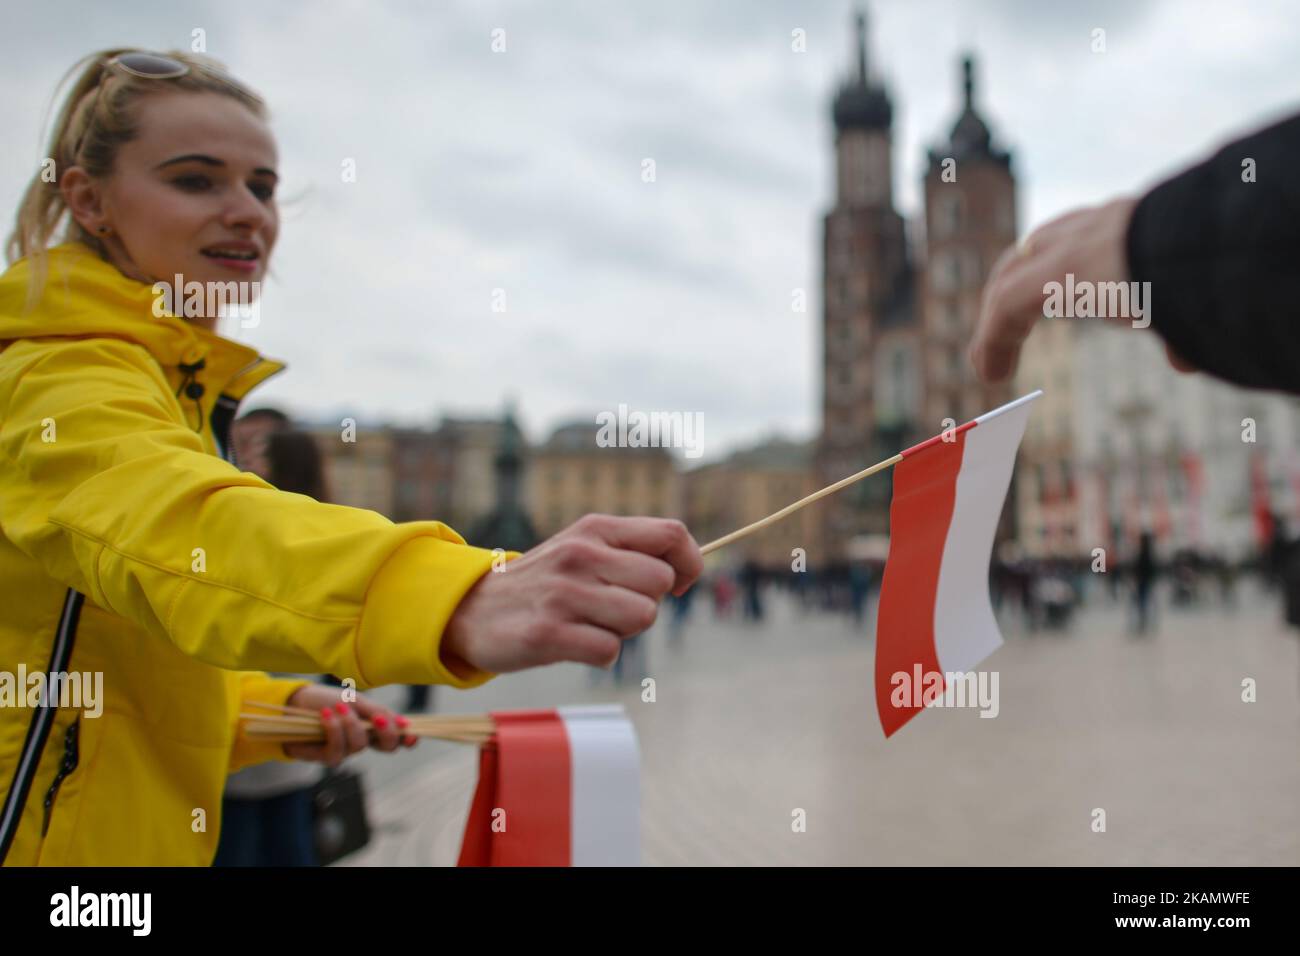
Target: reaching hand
{"x": 1090, "y": 243}
{"x": 574, "y": 597}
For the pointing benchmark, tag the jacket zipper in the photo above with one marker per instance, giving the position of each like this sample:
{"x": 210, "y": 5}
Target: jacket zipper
{"x": 223, "y": 414}
{"x": 61, "y": 653}
{"x": 69, "y": 764}
{"x": 222, "y": 417}
{"x": 38, "y": 731}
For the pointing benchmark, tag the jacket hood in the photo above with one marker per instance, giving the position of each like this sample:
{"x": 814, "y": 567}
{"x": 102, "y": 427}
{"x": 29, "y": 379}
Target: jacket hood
{"x": 84, "y": 296}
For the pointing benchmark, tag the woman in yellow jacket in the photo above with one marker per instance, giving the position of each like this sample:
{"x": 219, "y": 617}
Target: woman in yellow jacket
{"x": 132, "y": 547}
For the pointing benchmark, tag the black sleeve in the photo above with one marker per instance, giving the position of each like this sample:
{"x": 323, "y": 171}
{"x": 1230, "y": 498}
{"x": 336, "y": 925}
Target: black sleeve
{"x": 1223, "y": 260}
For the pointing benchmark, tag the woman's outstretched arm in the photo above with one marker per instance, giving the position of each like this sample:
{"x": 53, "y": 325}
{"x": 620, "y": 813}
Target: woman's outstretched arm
{"x": 114, "y": 497}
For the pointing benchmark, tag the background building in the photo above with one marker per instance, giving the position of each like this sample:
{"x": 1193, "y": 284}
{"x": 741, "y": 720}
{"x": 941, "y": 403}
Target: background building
{"x": 896, "y": 324}
{"x": 970, "y": 219}
{"x": 447, "y": 473}
{"x": 867, "y": 291}
{"x": 752, "y": 484}
{"x": 358, "y": 473}
{"x": 570, "y": 476}
{"x": 1126, "y": 443}
{"x": 1047, "y": 488}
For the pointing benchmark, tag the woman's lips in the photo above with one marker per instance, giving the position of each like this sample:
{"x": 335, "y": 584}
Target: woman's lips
{"x": 236, "y": 265}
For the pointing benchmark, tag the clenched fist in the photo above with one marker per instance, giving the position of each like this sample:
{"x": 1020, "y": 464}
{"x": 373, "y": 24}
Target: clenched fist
{"x": 574, "y": 597}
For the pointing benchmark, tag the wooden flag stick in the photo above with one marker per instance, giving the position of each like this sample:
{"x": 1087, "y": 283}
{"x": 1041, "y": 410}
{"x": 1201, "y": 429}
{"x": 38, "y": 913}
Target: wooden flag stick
{"x": 791, "y": 509}
{"x": 282, "y": 708}
{"x": 293, "y": 729}
{"x": 304, "y": 713}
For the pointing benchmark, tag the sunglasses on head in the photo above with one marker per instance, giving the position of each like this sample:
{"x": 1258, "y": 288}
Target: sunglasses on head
{"x": 149, "y": 66}
{"x": 153, "y": 66}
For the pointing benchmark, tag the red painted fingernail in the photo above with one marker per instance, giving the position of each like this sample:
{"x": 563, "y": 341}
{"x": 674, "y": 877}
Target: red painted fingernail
{"x": 409, "y": 741}
{"x": 380, "y": 721}
{"x": 326, "y": 713}
{"x": 402, "y": 722}
{"x": 342, "y": 708}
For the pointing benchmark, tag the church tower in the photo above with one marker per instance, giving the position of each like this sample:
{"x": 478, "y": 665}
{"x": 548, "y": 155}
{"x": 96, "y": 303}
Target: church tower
{"x": 867, "y": 285}
{"x": 970, "y": 218}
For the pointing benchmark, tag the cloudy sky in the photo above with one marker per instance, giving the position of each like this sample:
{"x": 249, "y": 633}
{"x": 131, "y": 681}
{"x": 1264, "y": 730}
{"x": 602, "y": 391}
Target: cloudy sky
{"x": 522, "y": 171}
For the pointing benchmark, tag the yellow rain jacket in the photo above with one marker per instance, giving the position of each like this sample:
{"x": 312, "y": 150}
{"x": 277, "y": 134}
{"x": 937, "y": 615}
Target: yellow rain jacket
{"x": 131, "y": 546}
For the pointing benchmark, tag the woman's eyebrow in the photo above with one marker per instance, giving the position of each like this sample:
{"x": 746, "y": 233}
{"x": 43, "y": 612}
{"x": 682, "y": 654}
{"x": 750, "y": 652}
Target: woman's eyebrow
{"x": 211, "y": 161}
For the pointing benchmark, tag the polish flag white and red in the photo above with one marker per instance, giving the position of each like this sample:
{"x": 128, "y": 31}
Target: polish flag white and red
{"x": 935, "y": 615}
{"x": 557, "y": 788}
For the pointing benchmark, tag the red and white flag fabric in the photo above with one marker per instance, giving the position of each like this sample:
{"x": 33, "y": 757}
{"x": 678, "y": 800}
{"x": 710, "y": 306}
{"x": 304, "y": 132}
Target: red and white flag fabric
{"x": 935, "y": 617}
{"x": 1261, "y": 506}
{"x": 557, "y": 788}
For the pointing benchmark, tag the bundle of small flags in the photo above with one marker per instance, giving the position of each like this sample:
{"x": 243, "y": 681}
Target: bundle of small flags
{"x": 556, "y": 787}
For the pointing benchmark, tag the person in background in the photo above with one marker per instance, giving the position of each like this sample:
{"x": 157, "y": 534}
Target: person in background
{"x": 859, "y": 589}
{"x": 751, "y": 583}
{"x": 681, "y": 610}
{"x": 266, "y": 812}
{"x": 251, "y": 437}
{"x": 251, "y": 434}
{"x": 1144, "y": 574}
{"x": 632, "y": 657}
{"x": 419, "y": 698}
{"x": 295, "y": 464}
{"x": 724, "y": 593}
{"x": 1289, "y": 570}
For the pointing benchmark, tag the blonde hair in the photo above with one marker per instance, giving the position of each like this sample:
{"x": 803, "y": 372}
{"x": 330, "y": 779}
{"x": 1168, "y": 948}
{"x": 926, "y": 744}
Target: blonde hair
{"x": 98, "y": 116}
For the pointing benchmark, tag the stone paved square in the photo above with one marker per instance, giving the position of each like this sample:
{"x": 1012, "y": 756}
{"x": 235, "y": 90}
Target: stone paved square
{"x": 751, "y": 722}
